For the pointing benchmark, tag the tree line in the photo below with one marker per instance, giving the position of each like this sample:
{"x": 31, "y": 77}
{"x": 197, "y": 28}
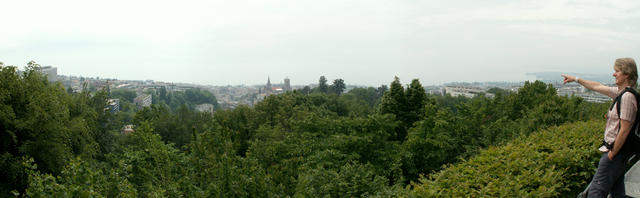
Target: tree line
{"x": 365, "y": 142}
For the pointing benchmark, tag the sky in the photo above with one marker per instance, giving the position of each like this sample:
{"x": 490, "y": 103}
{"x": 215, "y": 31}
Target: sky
{"x": 364, "y": 42}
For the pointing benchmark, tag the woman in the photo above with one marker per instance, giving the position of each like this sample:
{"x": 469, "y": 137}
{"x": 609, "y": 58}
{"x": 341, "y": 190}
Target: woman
{"x": 609, "y": 178}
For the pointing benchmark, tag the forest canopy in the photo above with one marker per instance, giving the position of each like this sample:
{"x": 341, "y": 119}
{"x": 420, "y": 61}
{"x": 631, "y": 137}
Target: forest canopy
{"x": 303, "y": 143}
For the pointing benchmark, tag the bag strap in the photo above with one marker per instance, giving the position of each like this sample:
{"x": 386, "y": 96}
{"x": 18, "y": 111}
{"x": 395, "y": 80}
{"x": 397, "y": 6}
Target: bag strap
{"x": 618, "y": 100}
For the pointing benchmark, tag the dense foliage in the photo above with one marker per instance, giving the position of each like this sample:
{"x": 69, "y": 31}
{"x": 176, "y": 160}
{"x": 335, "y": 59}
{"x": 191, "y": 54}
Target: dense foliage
{"x": 553, "y": 162}
{"x": 320, "y": 142}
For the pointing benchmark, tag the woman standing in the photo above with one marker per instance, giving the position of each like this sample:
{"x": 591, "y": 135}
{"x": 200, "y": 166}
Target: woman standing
{"x": 609, "y": 178}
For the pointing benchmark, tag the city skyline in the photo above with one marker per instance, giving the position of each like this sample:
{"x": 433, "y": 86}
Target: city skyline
{"x": 548, "y": 77}
{"x": 363, "y": 42}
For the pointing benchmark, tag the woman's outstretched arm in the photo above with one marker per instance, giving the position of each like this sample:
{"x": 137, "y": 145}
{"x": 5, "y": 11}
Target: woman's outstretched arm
{"x": 592, "y": 85}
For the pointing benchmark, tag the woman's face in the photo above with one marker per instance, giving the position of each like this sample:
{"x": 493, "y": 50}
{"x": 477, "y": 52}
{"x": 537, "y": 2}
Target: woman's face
{"x": 621, "y": 78}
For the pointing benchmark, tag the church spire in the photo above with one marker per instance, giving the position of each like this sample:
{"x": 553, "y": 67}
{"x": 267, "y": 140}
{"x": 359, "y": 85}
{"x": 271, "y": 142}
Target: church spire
{"x": 269, "y": 82}
{"x": 268, "y": 87}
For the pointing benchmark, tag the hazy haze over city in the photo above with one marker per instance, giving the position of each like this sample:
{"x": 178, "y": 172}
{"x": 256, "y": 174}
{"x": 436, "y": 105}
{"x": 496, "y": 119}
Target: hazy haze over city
{"x": 362, "y": 42}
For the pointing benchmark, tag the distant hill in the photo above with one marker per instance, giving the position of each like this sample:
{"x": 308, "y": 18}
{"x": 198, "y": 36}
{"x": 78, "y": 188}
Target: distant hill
{"x": 486, "y": 84}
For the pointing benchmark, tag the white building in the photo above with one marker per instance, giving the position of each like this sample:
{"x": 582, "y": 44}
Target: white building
{"x": 143, "y": 100}
{"x": 113, "y": 105}
{"x": 569, "y": 90}
{"x": 594, "y": 97}
{"x": 469, "y": 92}
{"x": 582, "y": 92}
{"x": 206, "y": 107}
{"x": 434, "y": 90}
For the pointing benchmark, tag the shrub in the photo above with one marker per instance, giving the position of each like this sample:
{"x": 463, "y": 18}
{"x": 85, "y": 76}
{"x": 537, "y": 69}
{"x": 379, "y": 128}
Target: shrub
{"x": 558, "y": 161}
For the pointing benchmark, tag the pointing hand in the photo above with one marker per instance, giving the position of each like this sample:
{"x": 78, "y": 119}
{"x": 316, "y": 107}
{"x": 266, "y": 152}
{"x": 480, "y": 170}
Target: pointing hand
{"x": 568, "y": 78}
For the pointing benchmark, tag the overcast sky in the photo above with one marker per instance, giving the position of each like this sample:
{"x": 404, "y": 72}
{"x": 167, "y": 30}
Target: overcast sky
{"x": 364, "y": 42}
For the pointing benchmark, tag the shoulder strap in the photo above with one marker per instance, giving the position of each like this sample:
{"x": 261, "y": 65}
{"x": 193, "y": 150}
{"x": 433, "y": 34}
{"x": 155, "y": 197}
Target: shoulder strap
{"x": 619, "y": 98}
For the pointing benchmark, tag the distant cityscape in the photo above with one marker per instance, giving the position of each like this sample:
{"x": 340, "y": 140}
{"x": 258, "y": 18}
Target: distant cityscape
{"x": 230, "y": 97}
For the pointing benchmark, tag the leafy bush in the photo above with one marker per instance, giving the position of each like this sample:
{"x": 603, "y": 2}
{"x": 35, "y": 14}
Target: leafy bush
{"x": 558, "y": 161}
{"x": 350, "y": 180}
{"x": 77, "y": 179}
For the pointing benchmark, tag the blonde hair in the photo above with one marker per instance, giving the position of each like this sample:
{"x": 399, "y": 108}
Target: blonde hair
{"x": 628, "y": 67}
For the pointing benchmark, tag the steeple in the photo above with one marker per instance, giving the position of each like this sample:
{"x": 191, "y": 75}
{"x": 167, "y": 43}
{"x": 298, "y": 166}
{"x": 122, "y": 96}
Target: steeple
{"x": 269, "y": 83}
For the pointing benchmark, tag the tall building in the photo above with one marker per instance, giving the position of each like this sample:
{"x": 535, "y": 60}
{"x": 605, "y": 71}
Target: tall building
{"x": 143, "y": 100}
{"x": 287, "y": 84}
{"x": 268, "y": 87}
{"x": 51, "y": 73}
{"x": 113, "y": 105}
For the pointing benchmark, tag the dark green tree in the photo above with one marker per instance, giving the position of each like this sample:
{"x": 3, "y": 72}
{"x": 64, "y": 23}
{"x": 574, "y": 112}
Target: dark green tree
{"x": 369, "y": 95}
{"x": 394, "y": 102}
{"x": 338, "y": 86}
{"x": 416, "y": 99}
{"x": 498, "y": 91}
{"x": 36, "y": 120}
{"x": 322, "y": 85}
{"x": 529, "y": 96}
{"x": 242, "y": 123}
{"x": 381, "y": 90}
{"x": 306, "y": 90}
{"x": 350, "y": 180}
